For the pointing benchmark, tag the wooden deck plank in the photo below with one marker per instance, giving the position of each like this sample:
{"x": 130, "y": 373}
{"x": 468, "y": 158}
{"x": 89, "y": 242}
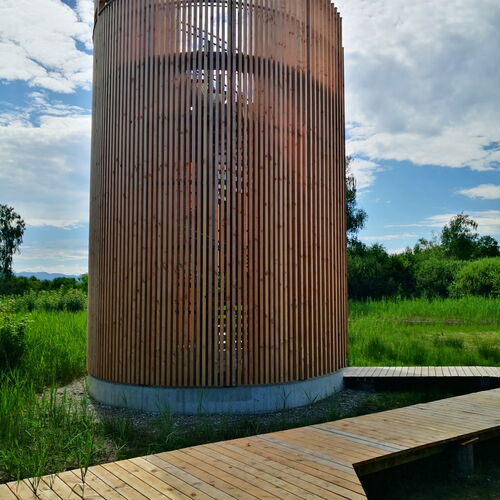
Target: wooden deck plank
{"x": 309, "y": 481}
{"x": 189, "y": 478}
{"x": 487, "y": 371}
{"x": 282, "y": 478}
{"x": 484, "y": 406}
{"x": 475, "y": 371}
{"x": 421, "y": 371}
{"x": 334, "y": 461}
{"x": 133, "y": 481}
{"x": 60, "y": 487}
{"x": 351, "y": 370}
{"x": 73, "y": 480}
{"x": 6, "y": 493}
{"x": 99, "y": 486}
{"x": 143, "y": 475}
{"x": 396, "y": 437}
{"x": 117, "y": 484}
{"x": 170, "y": 479}
{"x": 308, "y": 440}
{"x": 360, "y": 448}
{"x": 213, "y": 475}
{"x": 298, "y": 463}
{"x": 249, "y": 471}
{"x": 21, "y": 489}
{"x": 356, "y": 438}
{"x": 310, "y": 462}
{"x": 317, "y": 460}
{"x": 403, "y": 431}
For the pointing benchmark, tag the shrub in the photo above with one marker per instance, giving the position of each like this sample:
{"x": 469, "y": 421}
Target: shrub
{"x": 13, "y": 285}
{"x": 369, "y": 273}
{"x": 19, "y": 285}
{"x": 74, "y": 300}
{"x": 481, "y": 277}
{"x": 49, "y": 301}
{"x": 12, "y": 339}
{"x": 433, "y": 276}
{"x": 71, "y": 300}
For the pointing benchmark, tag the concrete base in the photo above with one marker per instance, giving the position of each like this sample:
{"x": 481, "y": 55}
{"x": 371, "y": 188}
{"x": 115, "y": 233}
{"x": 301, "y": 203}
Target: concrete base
{"x": 229, "y": 400}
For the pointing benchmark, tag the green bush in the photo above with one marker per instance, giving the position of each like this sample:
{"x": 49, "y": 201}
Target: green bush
{"x": 19, "y": 285}
{"x": 71, "y": 300}
{"x": 480, "y": 277}
{"x": 374, "y": 274}
{"x": 74, "y": 300}
{"x": 12, "y": 339}
{"x": 433, "y": 276}
{"x": 369, "y": 273}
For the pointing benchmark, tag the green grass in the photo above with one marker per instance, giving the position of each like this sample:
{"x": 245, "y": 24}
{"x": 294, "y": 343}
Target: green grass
{"x": 41, "y": 433}
{"x": 55, "y": 347}
{"x": 417, "y": 332}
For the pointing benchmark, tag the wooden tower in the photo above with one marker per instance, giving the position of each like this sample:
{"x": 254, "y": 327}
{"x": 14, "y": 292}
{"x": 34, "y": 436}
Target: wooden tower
{"x": 217, "y": 223}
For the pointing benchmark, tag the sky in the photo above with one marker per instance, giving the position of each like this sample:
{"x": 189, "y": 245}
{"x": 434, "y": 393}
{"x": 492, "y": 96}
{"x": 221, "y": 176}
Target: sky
{"x": 422, "y": 118}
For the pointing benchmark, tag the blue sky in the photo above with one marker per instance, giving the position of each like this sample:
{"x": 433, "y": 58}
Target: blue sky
{"x": 422, "y": 112}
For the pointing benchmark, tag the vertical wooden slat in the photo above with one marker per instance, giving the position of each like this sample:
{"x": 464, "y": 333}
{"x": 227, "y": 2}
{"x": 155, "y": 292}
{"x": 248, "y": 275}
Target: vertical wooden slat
{"x": 217, "y": 239}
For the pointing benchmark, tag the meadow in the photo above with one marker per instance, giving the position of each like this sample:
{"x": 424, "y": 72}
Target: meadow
{"x": 421, "y": 332}
{"x": 42, "y": 431}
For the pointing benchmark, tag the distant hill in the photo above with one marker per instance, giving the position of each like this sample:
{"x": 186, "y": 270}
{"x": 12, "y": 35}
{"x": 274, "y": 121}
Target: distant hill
{"x": 46, "y": 276}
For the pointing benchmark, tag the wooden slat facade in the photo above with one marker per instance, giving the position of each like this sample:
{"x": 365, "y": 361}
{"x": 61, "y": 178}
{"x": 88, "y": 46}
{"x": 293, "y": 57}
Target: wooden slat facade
{"x": 217, "y": 225}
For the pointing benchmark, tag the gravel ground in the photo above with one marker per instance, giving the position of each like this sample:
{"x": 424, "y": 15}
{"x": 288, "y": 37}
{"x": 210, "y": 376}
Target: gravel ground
{"x": 345, "y": 402}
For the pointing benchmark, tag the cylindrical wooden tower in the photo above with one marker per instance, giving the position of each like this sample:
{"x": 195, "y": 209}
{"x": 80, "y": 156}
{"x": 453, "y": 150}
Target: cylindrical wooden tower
{"x": 217, "y": 223}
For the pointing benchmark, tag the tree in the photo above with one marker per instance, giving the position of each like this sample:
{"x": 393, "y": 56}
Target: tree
{"x": 459, "y": 238}
{"x": 356, "y": 217}
{"x": 373, "y": 273}
{"x": 11, "y": 236}
{"x": 487, "y": 246}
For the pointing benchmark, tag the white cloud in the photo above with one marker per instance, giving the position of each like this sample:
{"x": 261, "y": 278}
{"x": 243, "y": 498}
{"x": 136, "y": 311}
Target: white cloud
{"x": 397, "y": 251}
{"x": 85, "y": 11}
{"x": 29, "y": 254}
{"x": 389, "y": 237}
{"x": 422, "y": 81}
{"x": 44, "y": 170}
{"x": 38, "y": 43}
{"x": 488, "y": 221}
{"x": 364, "y": 171}
{"x": 484, "y": 191}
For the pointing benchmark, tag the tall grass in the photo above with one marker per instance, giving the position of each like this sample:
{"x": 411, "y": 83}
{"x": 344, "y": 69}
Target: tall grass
{"x": 55, "y": 347}
{"x": 39, "y": 432}
{"x": 439, "y": 332}
{"x": 472, "y": 309}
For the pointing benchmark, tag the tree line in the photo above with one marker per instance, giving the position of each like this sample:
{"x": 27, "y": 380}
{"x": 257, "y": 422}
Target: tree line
{"x": 456, "y": 262}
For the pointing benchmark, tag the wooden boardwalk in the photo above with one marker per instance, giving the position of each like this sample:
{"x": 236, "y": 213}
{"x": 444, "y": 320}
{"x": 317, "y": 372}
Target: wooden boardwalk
{"x": 322, "y": 461}
{"x": 356, "y": 372}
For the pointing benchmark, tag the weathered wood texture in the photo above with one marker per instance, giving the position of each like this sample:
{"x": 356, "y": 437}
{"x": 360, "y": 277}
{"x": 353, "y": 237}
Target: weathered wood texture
{"x": 321, "y": 461}
{"x": 217, "y": 238}
{"x": 367, "y": 372}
